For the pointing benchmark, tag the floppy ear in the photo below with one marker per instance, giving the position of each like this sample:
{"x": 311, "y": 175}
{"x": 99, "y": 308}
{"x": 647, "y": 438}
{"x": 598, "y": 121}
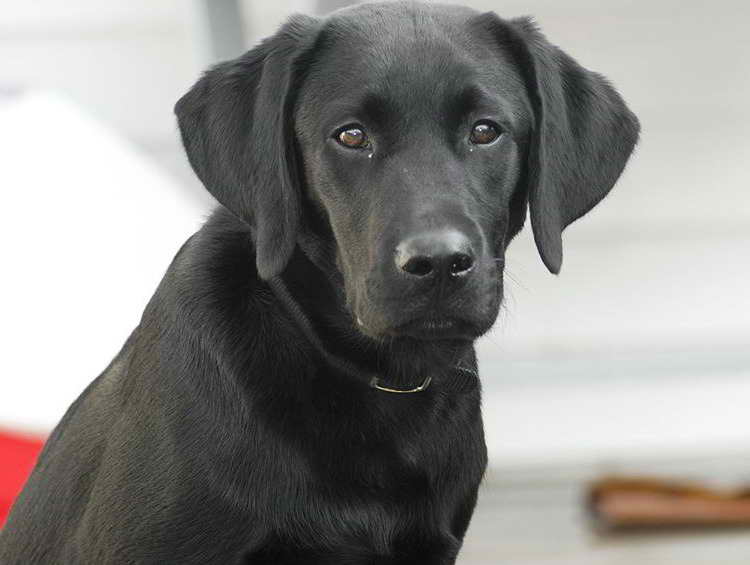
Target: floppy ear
{"x": 583, "y": 134}
{"x": 237, "y": 128}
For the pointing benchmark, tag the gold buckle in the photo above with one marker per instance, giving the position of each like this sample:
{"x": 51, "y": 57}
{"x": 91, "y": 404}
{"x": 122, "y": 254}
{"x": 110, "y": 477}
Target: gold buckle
{"x": 420, "y": 388}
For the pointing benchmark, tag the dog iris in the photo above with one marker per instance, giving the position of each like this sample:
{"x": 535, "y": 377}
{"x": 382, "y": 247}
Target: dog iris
{"x": 484, "y": 133}
{"x": 353, "y": 137}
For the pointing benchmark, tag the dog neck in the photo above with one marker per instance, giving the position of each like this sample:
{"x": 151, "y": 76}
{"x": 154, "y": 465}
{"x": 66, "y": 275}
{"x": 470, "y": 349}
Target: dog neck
{"x": 343, "y": 365}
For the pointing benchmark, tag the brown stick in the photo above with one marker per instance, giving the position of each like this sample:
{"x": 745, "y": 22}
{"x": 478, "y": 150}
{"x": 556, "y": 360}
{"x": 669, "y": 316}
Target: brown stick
{"x": 645, "y": 503}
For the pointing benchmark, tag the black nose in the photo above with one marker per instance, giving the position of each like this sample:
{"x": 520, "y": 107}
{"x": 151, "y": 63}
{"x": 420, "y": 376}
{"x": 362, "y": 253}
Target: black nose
{"x": 439, "y": 253}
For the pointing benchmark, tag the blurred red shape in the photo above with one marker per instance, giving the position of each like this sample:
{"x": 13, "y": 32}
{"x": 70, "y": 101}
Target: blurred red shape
{"x": 18, "y": 453}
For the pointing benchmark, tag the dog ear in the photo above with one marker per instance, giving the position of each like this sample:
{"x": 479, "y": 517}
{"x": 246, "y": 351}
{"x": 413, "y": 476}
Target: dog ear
{"x": 583, "y": 134}
{"x": 237, "y": 127}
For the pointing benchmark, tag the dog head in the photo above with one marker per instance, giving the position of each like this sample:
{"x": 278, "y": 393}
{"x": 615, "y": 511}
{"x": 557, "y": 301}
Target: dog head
{"x": 407, "y": 140}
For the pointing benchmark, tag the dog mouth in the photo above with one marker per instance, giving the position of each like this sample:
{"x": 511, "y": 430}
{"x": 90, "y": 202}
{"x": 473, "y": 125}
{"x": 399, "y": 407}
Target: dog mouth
{"x": 436, "y": 328}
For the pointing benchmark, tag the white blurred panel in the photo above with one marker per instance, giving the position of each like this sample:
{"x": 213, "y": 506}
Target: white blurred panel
{"x": 88, "y": 229}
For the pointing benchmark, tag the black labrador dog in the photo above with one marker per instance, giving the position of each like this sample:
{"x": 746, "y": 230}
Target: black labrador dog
{"x": 302, "y": 387}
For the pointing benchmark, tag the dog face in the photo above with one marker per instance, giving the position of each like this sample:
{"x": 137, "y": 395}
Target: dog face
{"x": 418, "y": 136}
{"x": 411, "y": 144}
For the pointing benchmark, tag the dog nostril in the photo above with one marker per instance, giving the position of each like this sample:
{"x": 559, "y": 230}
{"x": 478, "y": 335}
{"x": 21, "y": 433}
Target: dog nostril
{"x": 419, "y": 266}
{"x": 438, "y": 253}
{"x": 461, "y": 263}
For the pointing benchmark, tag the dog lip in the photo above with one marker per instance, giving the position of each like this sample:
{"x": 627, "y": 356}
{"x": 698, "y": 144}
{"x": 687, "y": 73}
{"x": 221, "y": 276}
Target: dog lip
{"x": 434, "y": 323}
{"x": 435, "y": 328}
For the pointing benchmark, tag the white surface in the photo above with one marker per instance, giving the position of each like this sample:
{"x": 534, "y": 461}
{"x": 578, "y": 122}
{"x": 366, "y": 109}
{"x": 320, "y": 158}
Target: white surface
{"x": 588, "y": 421}
{"x": 88, "y": 228}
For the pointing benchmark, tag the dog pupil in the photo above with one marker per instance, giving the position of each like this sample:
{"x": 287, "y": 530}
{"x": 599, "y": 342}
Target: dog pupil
{"x": 483, "y": 133}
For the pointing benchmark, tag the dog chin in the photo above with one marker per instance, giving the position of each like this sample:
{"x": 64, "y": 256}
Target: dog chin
{"x": 437, "y": 329}
{"x": 431, "y": 324}
{"x": 426, "y": 329}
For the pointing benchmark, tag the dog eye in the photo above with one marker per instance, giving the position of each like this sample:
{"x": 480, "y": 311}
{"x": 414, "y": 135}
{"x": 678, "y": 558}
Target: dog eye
{"x": 484, "y": 133}
{"x": 353, "y": 137}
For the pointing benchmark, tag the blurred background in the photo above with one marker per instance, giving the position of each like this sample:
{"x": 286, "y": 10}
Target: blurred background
{"x": 635, "y": 359}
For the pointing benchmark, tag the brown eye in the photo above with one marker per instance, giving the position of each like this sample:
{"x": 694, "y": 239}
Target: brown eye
{"x": 353, "y": 137}
{"x": 483, "y": 133}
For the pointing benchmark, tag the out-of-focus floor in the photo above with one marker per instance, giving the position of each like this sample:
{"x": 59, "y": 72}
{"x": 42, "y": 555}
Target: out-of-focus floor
{"x": 537, "y": 518}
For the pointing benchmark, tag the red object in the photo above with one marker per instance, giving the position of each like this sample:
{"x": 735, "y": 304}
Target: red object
{"x": 18, "y": 453}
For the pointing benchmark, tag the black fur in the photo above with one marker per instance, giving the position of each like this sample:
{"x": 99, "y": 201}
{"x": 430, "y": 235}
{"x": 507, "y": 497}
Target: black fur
{"x": 238, "y": 423}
